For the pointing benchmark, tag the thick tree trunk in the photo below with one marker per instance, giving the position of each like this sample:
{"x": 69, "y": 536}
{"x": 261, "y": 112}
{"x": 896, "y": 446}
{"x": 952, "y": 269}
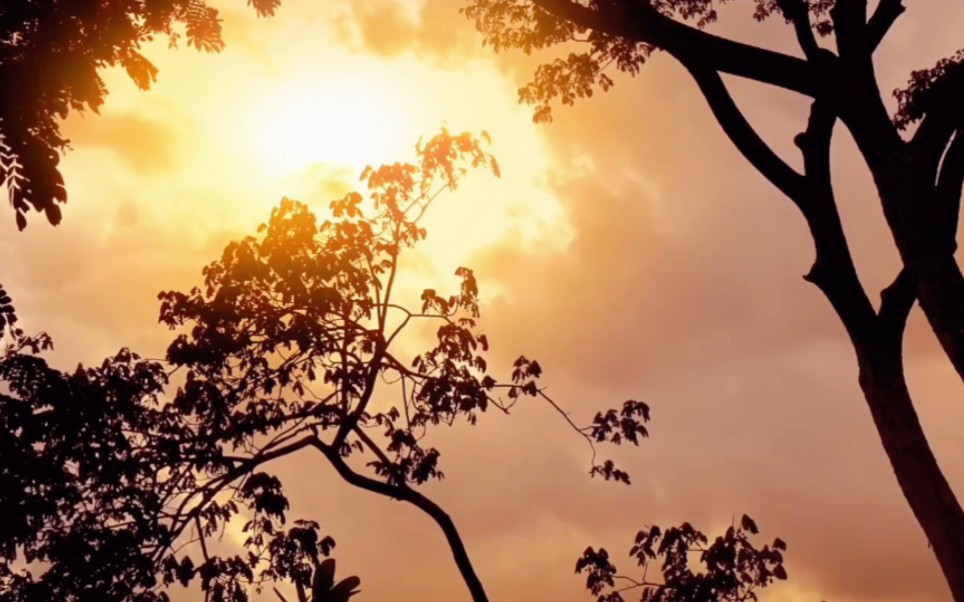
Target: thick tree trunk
{"x": 918, "y": 474}
{"x": 923, "y": 226}
{"x": 940, "y": 292}
{"x": 919, "y": 231}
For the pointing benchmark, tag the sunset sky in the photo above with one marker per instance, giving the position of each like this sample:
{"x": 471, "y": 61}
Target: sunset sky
{"x": 627, "y": 246}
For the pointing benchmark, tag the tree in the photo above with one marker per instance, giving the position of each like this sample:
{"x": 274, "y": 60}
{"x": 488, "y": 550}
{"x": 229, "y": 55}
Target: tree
{"x": 916, "y": 158}
{"x": 291, "y": 347}
{"x": 50, "y": 54}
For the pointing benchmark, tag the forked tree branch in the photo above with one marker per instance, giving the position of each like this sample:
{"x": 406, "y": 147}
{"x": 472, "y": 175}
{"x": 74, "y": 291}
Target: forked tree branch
{"x": 643, "y": 23}
{"x": 798, "y": 13}
{"x": 833, "y": 270}
{"x": 744, "y": 137}
{"x": 407, "y": 494}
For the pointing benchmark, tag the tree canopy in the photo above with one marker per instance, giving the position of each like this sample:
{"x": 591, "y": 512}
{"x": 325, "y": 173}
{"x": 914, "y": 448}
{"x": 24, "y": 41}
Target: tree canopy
{"x": 120, "y": 477}
{"x": 305, "y": 305}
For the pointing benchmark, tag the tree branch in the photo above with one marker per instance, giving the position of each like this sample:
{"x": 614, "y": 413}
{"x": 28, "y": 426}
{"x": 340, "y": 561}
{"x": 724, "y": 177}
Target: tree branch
{"x": 407, "y": 494}
{"x": 947, "y": 198}
{"x": 798, "y": 13}
{"x": 182, "y": 517}
{"x": 930, "y": 140}
{"x": 833, "y": 270}
{"x": 896, "y": 302}
{"x": 850, "y": 25}
{"x": 351, "y": 418}
{"x": 882, "y": 20}
{"x": 690, "y": 45}
{"x": 744, "y": 137}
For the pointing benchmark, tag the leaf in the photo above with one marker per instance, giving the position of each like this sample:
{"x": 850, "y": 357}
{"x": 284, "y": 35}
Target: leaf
{"x": 344, "y": 590}
{"x": 748, "y": 524}
{"x": 324, "y": 577}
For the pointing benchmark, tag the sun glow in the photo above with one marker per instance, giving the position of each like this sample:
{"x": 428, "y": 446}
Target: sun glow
{"x": 344, "y": 121}
{"x": 317, "y": 122}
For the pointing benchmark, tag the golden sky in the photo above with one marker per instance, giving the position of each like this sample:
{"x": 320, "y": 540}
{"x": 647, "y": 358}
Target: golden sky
{"x": 627, "y": 246}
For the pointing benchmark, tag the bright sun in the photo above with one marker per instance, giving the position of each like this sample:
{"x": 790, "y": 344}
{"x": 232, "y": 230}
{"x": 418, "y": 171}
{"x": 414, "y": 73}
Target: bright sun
{"x": 343, "y": 121}
{"x": 369, "y": 112}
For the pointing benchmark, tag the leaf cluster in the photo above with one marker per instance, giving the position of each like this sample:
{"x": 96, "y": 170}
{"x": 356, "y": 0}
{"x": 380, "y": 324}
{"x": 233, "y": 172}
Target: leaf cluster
{"x": 613, "y": 43}
{"x": 126, "y": 475}
{"x": 731, "y": 567}
{"x": 939, "y": 88}
{"x": 51, "y": 53}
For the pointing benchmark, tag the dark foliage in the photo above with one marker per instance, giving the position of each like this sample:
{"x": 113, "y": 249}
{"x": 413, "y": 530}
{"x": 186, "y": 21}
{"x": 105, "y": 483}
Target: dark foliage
{"x": 117, "y": 482}
{"x": 324, "y": 588}
{"x": 50, "y": 55}
{"x": 939, "y": 88}
{"x": 732, "y": 568}
{"x": 535, "y": 25}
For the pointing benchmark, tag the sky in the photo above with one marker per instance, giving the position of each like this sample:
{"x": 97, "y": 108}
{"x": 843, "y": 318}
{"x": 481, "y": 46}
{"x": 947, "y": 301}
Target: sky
{"x": 627, "y": 247}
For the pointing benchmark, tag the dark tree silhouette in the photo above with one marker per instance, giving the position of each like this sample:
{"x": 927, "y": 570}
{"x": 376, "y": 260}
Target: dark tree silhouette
{"x": 115, "y": 482}
{"x": 50, "y": 55}
{"x": 916, "y": 158}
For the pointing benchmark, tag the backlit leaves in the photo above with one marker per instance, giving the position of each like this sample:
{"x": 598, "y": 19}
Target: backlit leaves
{"x": 8, "y": 316}
{"x": 591, "y": 53}
{"x": 627, "y": 424}
{"x": 940, "y": 88}
{"x": 122, "y": 482}
{"x": 53, "y": 55}
{"x": 731, "y": 568}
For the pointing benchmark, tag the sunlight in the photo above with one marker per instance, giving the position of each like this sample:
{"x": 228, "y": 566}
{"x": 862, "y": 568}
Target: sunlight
{"x": 312, "y": 122}
{"x": 341, "y": 120}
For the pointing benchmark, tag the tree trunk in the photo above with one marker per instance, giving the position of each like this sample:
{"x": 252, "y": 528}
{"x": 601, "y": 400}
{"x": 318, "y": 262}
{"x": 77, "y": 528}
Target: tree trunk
{"x": 923, "y": 228}
{"x": 917, "y": 225}
{"x": 918, "y": 474}
{"x": 940, "y": 292}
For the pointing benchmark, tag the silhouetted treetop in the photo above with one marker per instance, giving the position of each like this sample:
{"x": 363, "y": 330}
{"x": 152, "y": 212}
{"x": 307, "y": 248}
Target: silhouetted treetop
{"x": 622, "y": 34}
{"x": 119, "y": 480}
{"x": 732, "y": 568}
{"x": 50, "y": 55}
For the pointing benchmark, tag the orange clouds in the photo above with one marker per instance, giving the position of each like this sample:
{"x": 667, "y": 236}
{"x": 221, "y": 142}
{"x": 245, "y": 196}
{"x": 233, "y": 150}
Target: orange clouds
{"x": 628, "y": 247}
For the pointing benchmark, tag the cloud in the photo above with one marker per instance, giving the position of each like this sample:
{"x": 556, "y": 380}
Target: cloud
{"x": 432, "y": 29}
{"x": 145, "y": 145}
{"x": 680, "y": 286}
{"x": 683, "y": 287}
